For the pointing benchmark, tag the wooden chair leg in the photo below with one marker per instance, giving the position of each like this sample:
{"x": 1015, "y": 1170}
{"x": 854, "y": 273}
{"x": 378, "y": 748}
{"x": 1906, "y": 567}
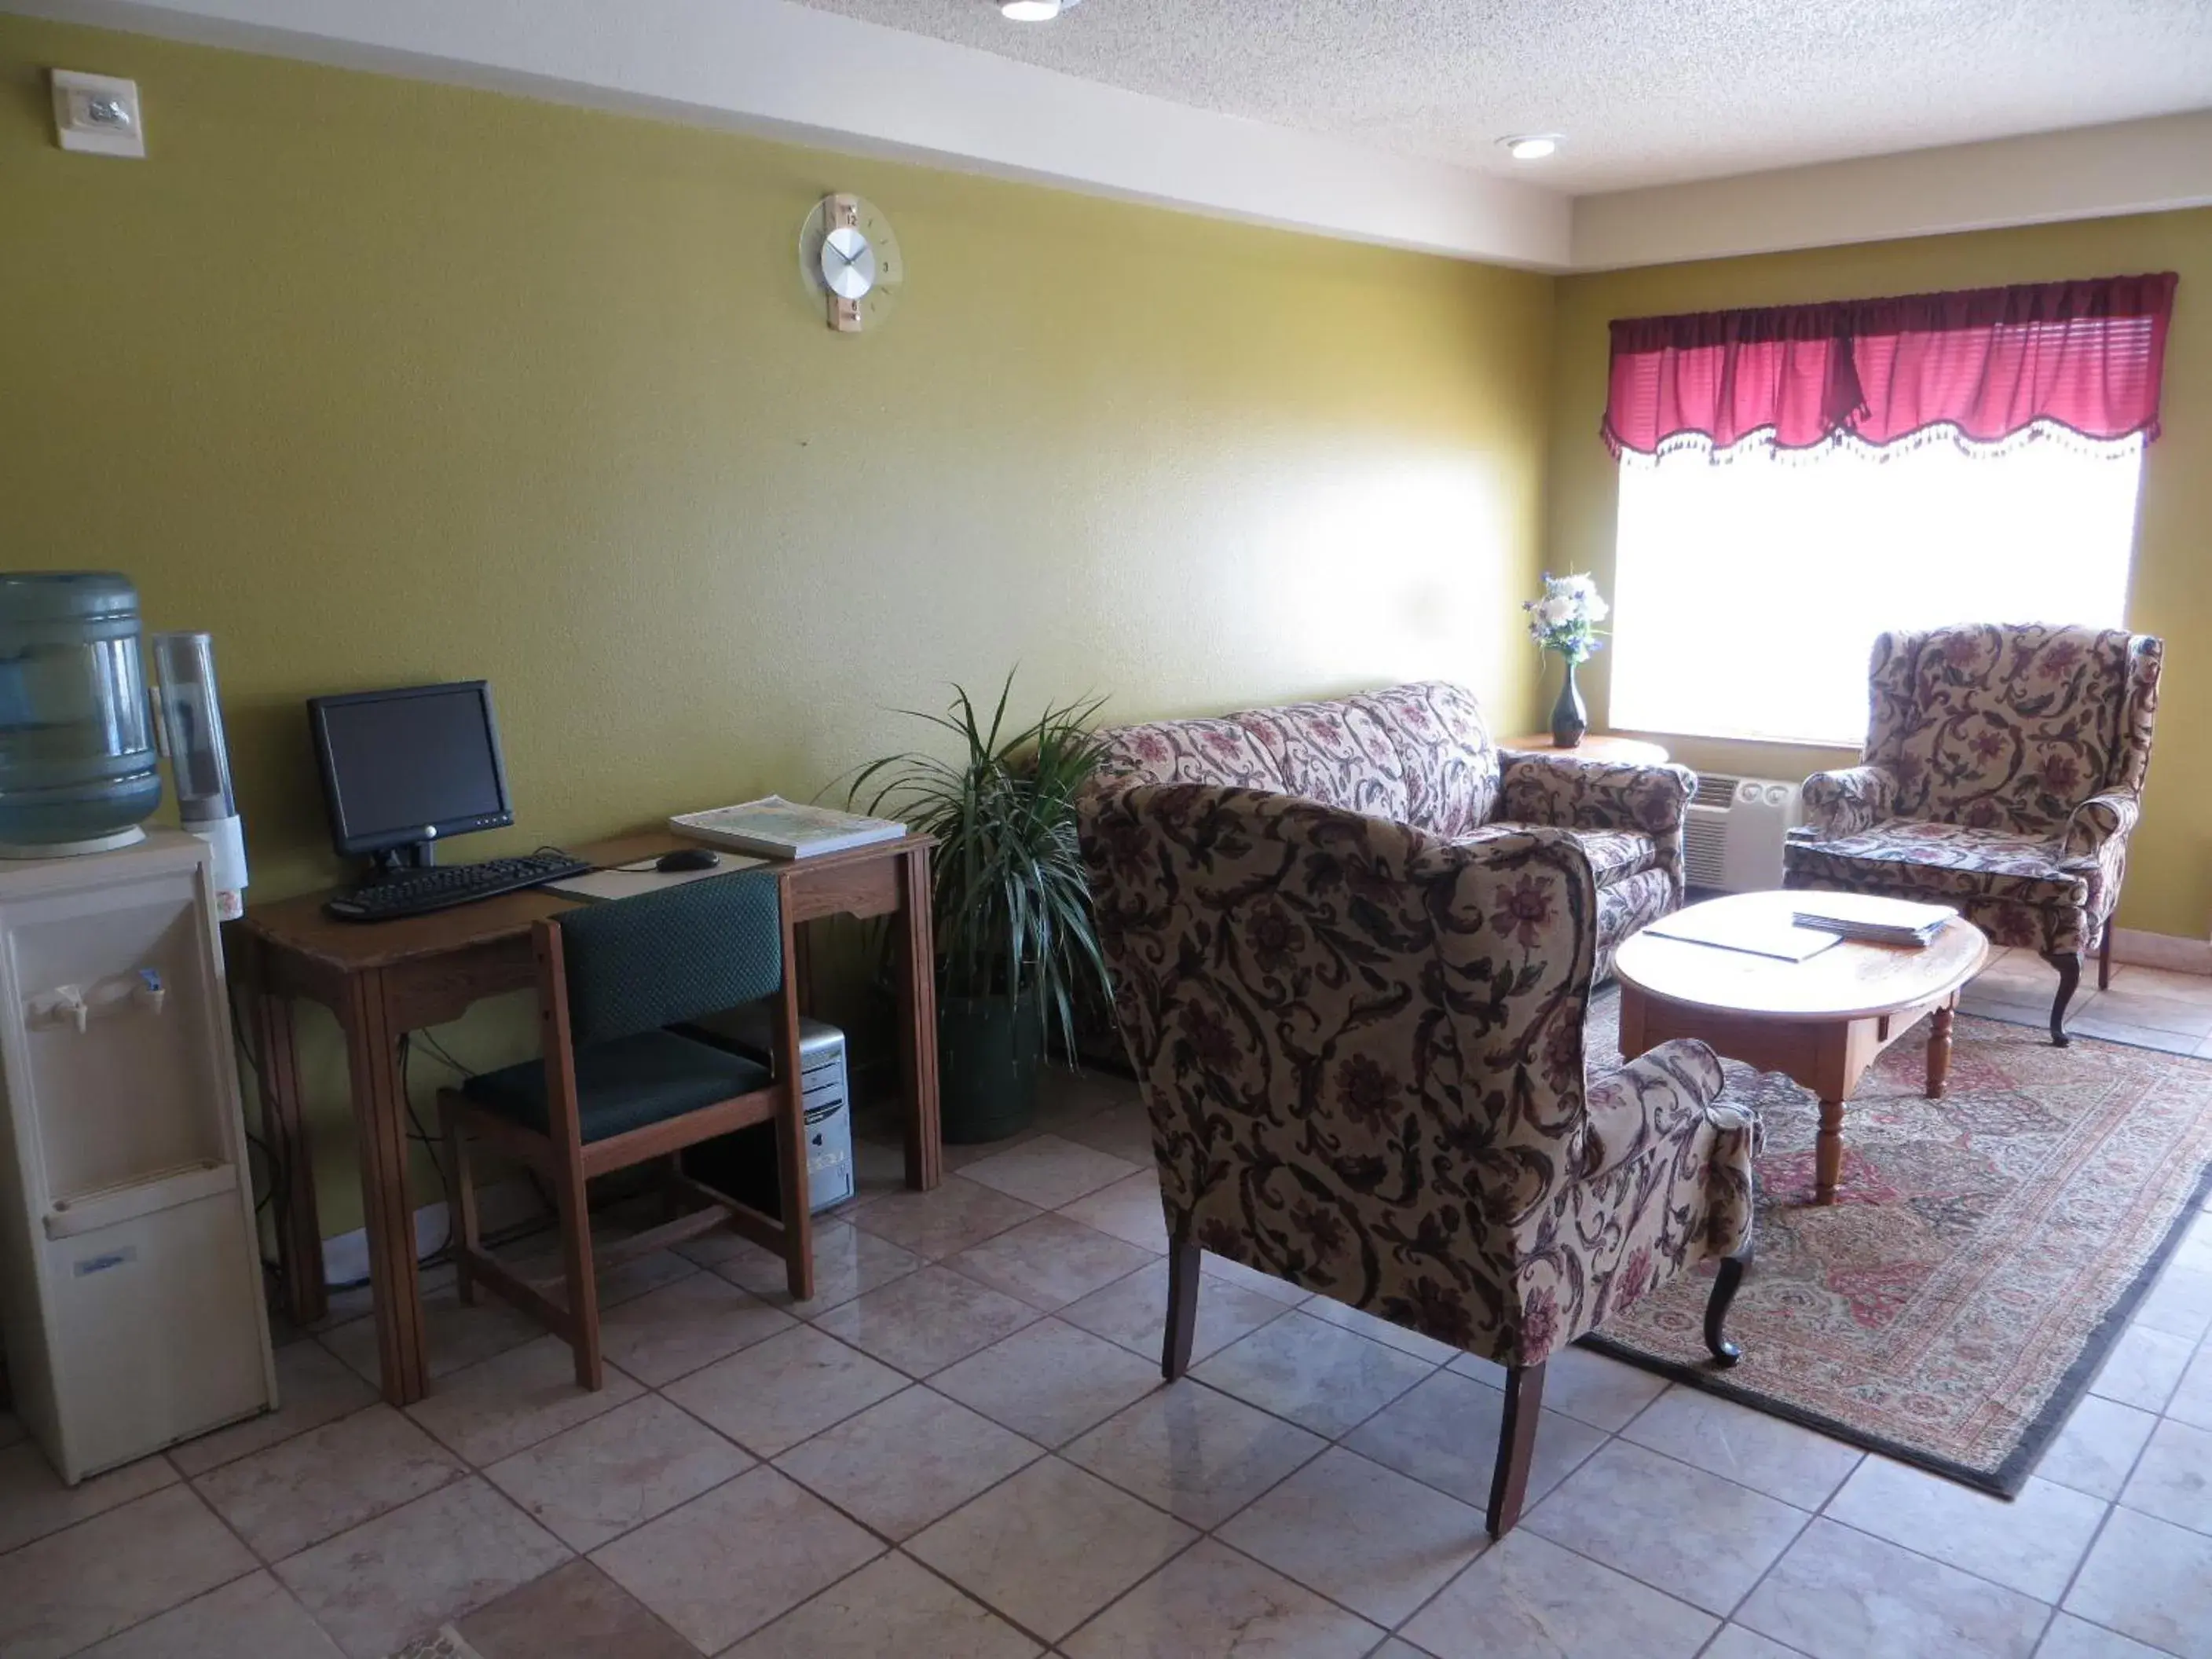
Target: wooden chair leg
{"x": 1182, "y": 1308}
{"x": 576, "y": 1261}
{"x": 1517, "y": 1447}
{"x": 2105, "y": 960}
{"x": 2068, "y": 964}
{"x": 462, "y": 1198}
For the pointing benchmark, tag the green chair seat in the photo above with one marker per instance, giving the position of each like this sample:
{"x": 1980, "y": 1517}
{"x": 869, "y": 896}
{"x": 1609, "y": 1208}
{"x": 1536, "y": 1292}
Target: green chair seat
{"x": 622, "y": 1084}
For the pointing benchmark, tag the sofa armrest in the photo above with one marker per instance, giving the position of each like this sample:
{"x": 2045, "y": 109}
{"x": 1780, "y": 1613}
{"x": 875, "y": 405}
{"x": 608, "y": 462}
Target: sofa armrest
{"x": 1565, "y": 792}
{"x": 1647, "y": 1103}
{"x": 1846, "y": 801}
{"x": 2098, "y": 820}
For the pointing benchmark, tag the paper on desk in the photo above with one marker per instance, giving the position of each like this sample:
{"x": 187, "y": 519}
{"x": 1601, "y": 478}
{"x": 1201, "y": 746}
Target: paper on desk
{"x": 628, "y": 884}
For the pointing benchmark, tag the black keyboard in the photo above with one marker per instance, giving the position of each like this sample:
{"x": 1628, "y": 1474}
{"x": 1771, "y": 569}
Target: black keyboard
{"x": 410, "y": 892}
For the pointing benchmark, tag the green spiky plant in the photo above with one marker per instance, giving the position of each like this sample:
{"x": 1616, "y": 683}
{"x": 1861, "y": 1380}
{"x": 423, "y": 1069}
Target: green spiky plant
{"x": 1012, "y": 910}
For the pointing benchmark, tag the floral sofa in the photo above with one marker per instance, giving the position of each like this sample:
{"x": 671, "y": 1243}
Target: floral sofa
{"x": 1359, "y": 1035}
{"x": 2002, "y": 772}
{"x": 1421, "y": 755}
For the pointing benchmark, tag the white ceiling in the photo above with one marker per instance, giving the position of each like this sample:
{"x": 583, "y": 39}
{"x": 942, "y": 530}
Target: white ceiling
{"x": 1648, "y": 92}
{"x": 1373, "y": 120}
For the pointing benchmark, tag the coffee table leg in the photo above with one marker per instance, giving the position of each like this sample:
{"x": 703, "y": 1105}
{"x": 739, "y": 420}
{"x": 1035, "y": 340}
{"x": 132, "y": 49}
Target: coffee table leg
{"x": 1828, "y": 1152}
{"x": 1938, "y": 1051}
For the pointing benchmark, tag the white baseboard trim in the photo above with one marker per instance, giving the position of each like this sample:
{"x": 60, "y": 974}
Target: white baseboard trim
{"x": 2167, "y": 951}
{"x": 507, "y": 1203}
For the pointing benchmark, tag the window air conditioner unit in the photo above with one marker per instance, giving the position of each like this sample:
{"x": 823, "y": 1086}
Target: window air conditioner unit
{"x": 1734, "y": 840}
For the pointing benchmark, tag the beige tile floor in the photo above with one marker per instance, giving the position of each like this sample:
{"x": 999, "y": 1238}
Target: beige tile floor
{"x": 963, "y": 1448}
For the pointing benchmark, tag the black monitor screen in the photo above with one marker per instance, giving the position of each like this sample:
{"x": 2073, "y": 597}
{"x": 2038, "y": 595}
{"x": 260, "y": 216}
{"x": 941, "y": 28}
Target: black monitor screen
{"x": 409, "y": 766}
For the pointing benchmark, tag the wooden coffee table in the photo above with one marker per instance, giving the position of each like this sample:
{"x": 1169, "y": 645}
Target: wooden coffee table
{"x": 1820, "y": 1022}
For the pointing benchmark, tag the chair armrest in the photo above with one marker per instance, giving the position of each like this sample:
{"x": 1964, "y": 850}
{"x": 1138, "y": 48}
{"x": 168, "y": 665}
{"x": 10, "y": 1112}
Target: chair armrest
{"x": 2098, "y": 820}
{"x": 1845, "y": 802}
{"x": 1646, "y": 1102}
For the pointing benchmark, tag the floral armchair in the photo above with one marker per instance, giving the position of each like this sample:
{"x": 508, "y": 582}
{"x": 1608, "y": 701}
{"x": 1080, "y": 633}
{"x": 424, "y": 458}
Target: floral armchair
{"x": 1421, "y": 755}
{"x": 2003, "y": 771}
{"x": 1360, "y": 1044}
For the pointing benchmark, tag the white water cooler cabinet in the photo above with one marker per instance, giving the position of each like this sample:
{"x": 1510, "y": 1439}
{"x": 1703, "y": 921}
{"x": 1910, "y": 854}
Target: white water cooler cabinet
{"x": 131, "y": 1295}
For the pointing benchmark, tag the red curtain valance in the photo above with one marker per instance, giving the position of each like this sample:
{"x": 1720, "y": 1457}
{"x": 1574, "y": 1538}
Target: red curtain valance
{"x": 1986, "y": 365}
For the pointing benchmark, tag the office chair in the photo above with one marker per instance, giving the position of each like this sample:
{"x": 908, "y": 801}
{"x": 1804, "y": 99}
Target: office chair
{"x": 615, "y": 1088}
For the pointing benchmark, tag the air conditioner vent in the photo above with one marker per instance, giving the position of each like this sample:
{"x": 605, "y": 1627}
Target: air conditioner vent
{"x": 1733, "y": 841}
{"x": 1714, "y": 790}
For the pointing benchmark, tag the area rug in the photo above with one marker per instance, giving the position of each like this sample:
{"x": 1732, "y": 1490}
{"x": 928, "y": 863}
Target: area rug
{"x": 1986, "y": 1251}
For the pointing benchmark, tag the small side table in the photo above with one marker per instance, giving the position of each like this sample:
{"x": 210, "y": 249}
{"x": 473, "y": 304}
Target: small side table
{"x": 1615, "y": 751}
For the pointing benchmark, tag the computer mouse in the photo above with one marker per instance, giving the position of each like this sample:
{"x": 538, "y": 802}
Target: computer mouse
{"x": 686, "y": 857}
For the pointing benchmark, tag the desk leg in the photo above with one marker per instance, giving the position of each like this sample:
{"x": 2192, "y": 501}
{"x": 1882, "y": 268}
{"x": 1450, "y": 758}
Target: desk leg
{"x": 791, "y": 1126}
{"x": 299, "y": 1232}
{"x": 380, "y": 1106}
{"x": 917, "y": 1020}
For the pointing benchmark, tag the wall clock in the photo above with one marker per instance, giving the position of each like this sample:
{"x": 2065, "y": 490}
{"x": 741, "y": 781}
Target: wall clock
{"x": 850, "y": 260}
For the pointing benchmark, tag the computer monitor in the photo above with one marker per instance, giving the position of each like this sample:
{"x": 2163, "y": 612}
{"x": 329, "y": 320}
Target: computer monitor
{"x": 404, "y": 769}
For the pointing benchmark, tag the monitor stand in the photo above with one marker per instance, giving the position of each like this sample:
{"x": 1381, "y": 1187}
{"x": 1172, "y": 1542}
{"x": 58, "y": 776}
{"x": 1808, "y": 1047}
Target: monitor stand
{"x": 398, "y": 860}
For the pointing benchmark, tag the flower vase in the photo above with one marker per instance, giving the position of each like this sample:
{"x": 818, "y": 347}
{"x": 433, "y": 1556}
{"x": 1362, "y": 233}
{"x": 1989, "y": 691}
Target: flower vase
{"x": 1569, "y": 715}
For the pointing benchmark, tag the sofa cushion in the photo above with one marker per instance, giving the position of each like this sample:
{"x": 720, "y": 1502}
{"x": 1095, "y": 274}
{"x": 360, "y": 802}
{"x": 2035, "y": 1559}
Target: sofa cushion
{"x": 1217, "y": 751}
{"x": 1415, "y": 754}
{"x": 1340, "y": 754}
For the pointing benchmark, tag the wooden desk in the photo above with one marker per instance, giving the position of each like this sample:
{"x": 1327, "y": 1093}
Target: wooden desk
{"x": 384, "y": 979}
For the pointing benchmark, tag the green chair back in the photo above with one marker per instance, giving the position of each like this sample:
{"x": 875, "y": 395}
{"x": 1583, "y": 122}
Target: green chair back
{"x": 661, "y": 958}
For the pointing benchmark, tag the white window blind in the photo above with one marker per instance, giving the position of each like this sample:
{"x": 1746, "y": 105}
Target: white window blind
{"x": 1747, "y": 595}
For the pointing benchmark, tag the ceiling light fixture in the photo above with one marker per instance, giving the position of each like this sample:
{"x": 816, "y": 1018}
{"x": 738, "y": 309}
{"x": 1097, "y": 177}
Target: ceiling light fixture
{"x": 1035, "y": 11}
{"x": 1531, "y": 146}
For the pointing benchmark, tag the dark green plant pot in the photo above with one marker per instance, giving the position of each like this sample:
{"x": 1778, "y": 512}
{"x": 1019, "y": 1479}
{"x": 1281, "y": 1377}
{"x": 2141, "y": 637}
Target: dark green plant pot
{"x": 987, "y": 1053}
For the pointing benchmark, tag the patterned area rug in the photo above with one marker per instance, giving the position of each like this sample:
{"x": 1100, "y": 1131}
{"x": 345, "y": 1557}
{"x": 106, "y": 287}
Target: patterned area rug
{"x": 1986, "y": 1252}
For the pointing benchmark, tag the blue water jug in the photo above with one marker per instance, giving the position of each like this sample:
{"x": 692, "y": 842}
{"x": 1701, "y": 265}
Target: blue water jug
{"x": 77, "y": 765}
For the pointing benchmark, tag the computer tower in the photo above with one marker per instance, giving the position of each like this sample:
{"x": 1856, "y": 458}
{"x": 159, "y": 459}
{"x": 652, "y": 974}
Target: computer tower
{"x": 130, "y": 1293}
{"x": 743, "y": 1164}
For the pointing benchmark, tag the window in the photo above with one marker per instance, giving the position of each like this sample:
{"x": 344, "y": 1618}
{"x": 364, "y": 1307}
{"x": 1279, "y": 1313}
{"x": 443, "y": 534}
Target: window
{"x": 1747, "y": 594}
{"x": 1797, "y": 479}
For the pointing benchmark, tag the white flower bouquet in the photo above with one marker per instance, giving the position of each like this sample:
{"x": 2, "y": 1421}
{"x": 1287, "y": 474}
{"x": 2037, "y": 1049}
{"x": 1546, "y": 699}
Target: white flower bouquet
{"x": 1565, "y": 619}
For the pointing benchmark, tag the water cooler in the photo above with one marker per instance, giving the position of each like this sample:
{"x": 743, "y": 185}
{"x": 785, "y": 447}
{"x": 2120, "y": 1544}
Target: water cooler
{"x": 130, "y": 1296}
{"x": 130, "y": 1264}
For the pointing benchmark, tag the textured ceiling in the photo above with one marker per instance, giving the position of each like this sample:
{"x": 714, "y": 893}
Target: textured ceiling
{"x": 1646, "y": 91}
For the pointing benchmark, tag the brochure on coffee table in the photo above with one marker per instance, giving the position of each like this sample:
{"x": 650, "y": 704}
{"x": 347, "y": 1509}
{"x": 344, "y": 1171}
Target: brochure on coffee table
{"x": 1729, "y": 929}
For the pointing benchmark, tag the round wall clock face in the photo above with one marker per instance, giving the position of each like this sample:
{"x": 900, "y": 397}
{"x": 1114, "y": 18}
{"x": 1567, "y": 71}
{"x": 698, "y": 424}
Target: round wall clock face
{"x": 850, "y": 261}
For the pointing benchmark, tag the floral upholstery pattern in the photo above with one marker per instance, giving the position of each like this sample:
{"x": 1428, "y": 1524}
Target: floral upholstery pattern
{"x": 2004, "y": 771}
{"x": 1361, "y": 1046}
{"x": 1421, "y": 755}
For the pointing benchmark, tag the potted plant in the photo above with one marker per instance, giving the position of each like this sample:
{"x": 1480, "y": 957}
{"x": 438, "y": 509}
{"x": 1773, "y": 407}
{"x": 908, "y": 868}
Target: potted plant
{"x": 1017, "y": 945}
{"x": 1565, "y": 621}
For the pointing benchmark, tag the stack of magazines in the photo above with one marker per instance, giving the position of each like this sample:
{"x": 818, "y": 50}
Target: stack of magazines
{"x": 1876, "y": 920}
{"x": 780, "y": 829}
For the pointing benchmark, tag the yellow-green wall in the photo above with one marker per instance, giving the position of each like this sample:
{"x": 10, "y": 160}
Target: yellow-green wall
{"x": 2169, "y": 886}
{"x": 384, "y": 382}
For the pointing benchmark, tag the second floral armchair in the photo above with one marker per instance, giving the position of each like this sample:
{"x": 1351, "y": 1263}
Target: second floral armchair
{"x": 2002, "y": 773}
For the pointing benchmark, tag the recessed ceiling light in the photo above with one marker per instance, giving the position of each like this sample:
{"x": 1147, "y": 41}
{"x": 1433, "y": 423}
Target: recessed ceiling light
{"x": 1035, "y": 11}
{"x": 1531, "y": 146}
